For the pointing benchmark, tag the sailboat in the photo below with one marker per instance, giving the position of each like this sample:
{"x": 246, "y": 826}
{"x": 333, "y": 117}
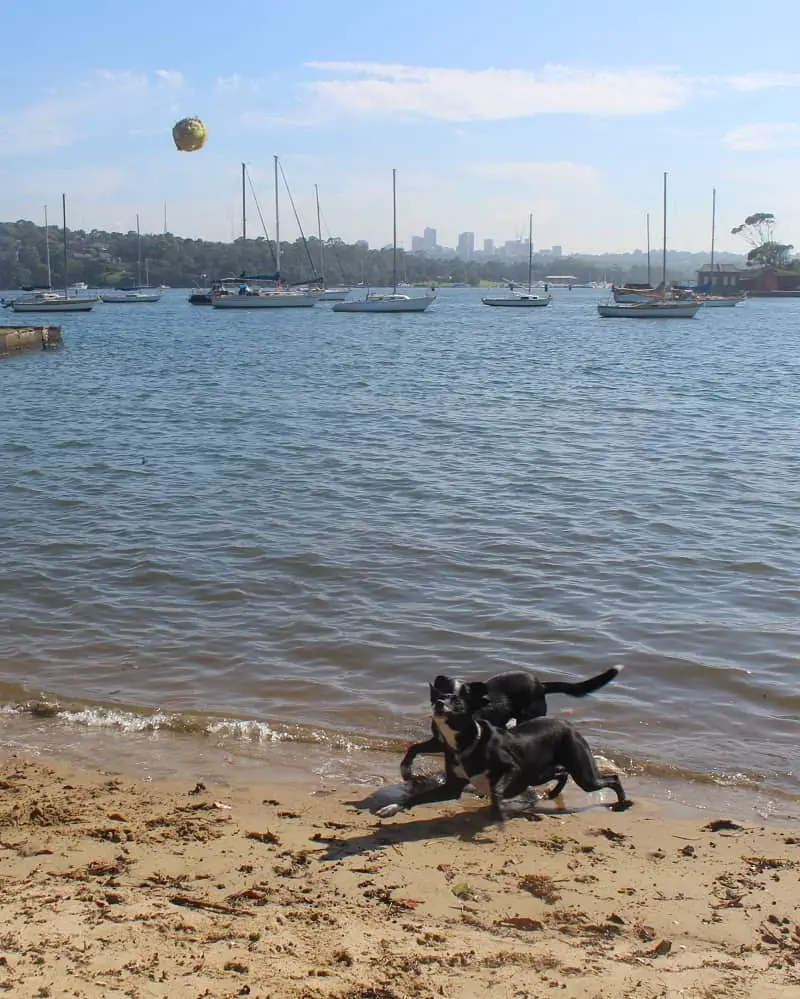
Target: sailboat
{"x": 139, "y": 294}
{"x": 710, "y": 300}
{"x": 261, "y": 298}
{"x": 332, "y": 294}
{"x": 54, "y": 301}
{"x": 518, "y": 300}
{"x": 634, "y": 292}
{"x": 658, "y": 306}
{"x": 385, "y": 301}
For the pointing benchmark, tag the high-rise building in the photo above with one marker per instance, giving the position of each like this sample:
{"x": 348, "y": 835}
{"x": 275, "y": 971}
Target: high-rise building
{"x": 466, "y": 245}
{"x": 429, "y": 239}
{"x": 488, "y": 247}
{"x": 417, "y": 244}
{"x": 557, "y": 251}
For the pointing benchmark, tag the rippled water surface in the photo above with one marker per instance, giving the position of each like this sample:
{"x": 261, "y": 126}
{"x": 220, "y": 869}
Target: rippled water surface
{"x": 285, "y": 523}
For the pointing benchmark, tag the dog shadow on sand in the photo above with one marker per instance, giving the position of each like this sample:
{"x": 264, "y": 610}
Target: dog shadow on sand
{"x": 473, "y": 824}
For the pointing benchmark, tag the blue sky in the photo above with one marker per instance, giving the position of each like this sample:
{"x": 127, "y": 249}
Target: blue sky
{"x": 487, "y": 113}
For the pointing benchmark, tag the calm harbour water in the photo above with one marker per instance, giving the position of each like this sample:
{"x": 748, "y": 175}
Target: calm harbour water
{"x": 248, "y": 527}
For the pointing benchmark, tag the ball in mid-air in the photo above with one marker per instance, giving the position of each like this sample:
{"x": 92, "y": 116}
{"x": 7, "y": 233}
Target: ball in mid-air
{"x": 189, "y": 134}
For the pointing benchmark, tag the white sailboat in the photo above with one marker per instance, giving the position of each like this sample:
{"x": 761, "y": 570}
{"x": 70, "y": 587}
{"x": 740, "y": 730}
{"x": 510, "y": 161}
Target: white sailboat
{"x": 326, "y": 294}
{"x": 48, "y": 300}
{"x": 260, "y": 298}
{"x": 520, "y": 300}
{"x": 388, "y": 301}
{"x": 656, "y": 307}
{"x": 139, "y": 294}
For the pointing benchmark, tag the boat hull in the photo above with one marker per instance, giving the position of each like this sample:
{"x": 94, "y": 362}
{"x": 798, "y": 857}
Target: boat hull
{"x": 393, "y": 305}
{"x": 272, "y": 301}
{"x": 720, "y": 303}
{"x": 676, "y": 310}
{"x": 334, "y": 294}
{"x": 129, "y": 299}
{"x": 81, "y": 305}
{"x": 631, "y": 297}
{"x": 518, "y": 302}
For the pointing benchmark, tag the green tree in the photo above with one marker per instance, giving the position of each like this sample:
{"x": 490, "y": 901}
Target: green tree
{"x": 758, "y": 232}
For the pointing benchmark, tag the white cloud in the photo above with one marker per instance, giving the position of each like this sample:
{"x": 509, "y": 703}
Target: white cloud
{"x": 763, "y": 81}
{"x": 762, "y": 136}
{"x": 496, "y": 94}
{"x": 171, "y": 78}
{"x": 102, "y": 103}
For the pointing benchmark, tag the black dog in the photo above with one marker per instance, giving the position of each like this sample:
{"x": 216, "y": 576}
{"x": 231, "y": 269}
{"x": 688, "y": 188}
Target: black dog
{"x": 502, "y": 763}
{"x": 507, "y": 697}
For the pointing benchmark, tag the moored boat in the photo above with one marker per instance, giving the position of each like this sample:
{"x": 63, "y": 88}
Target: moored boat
{"x": 50, "y": 301}
{"x": 131, "y": 296}
{"x": 520, "y": 300}
{"x": 393, "y": 301}
{"x": 720, "y": 301}
{"x": 649, "y": 310}
{"x": 386, "y": 302}
{"x": 54, "y": 301}
{"x": 278, "y": 296}
{"x": 658, "y": 303}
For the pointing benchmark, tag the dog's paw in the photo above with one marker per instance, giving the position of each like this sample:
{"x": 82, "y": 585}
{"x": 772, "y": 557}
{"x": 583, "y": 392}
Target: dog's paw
{"x": 388, "y": 811}
{"x": 621, "y": 806}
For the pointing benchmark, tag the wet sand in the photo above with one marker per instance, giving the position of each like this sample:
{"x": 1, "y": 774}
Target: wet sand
{"x": 111, "y": 885}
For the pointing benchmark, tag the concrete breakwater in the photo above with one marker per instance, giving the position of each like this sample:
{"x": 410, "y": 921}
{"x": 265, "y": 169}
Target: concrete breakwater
{"x": 16, "y": 339}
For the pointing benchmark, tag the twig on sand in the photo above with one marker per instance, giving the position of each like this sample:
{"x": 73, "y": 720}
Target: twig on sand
{"x": 201, "y": 903}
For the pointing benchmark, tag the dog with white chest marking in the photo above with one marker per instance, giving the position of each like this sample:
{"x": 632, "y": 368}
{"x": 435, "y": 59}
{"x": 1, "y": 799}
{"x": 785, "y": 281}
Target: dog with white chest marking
{"x": 502, "y": 763}
{"x": 508, "y": 697}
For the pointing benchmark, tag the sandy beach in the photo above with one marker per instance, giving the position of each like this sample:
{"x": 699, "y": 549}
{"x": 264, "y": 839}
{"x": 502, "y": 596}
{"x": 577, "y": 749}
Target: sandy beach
{"x": 112, "y": 885}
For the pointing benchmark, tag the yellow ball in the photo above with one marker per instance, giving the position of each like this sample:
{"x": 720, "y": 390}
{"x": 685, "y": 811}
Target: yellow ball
{"x": 189, "y": 134}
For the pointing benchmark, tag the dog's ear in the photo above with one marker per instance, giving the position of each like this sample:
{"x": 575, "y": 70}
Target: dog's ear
{"x": 443, "y": 684}
{"x": 476, "y": 694}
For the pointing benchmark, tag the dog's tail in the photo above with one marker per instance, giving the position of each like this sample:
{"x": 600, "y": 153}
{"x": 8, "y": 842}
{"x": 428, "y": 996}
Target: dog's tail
{"x": 582, "y": 687}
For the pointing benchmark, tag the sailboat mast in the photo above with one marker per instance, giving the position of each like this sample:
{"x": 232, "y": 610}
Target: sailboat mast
{"x": 64, "y": 218}
{"x": 713, "y": 230}
{"x": 664, "y": 248}
{"x": 138, "y": 254}
{"x": 394, "y": 232}
{"x": 244, "y": 217}
{"x": 530, "y": 251}
{"x": 277, "y": 224}
{"x": 649, "y": 281}
{"x": 319, "y": 236}
{"x": 47, "y": 249}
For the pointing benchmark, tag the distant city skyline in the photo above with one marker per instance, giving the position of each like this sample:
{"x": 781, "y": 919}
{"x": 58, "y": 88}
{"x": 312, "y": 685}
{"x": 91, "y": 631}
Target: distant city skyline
{"x": 481, "y": 131}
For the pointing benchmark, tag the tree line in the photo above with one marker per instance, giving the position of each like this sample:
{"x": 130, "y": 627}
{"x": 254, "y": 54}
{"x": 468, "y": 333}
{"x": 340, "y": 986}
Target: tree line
{"x": 109, "y": 259}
